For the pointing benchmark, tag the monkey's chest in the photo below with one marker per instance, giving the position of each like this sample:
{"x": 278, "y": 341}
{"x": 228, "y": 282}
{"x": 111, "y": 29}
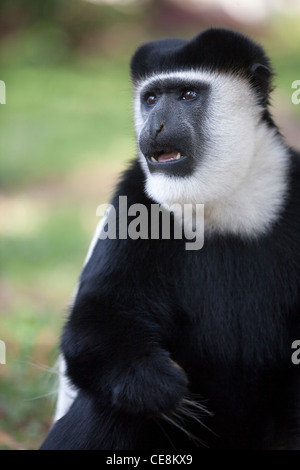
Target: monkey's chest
{"x": 235, "y": 325}
{"x": 235, "y": 305}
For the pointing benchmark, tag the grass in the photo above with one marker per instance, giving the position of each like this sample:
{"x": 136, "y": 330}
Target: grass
{"x": 65, "y": 133}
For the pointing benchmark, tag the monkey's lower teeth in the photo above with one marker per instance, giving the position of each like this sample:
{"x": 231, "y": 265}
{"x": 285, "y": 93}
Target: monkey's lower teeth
{"x": 156, "y": 159}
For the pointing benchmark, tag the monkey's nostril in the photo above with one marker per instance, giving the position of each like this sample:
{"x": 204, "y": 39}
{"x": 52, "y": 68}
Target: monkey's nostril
{"x": 160, "y": 129}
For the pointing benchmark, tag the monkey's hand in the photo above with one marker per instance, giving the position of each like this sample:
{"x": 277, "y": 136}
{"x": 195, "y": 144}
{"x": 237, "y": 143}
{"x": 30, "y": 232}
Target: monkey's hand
{"x": 116, "y": 357}
{"x": 151, "y": 385}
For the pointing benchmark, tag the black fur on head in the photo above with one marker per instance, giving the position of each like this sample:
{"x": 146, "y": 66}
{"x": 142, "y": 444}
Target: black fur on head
{"x": 214, "y": 50}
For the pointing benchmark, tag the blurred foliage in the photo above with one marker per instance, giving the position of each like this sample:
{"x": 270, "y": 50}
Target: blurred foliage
{"x": 74, "y": 19}
{"x": 282, "y": 44}
{"x": 65, "y": 134}
{"x": 55, "y": 117}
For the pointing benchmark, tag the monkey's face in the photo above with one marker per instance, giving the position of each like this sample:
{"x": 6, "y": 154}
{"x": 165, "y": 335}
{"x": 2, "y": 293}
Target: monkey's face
{"x": 196, "y": 134}
{"x": 172, "y": 114}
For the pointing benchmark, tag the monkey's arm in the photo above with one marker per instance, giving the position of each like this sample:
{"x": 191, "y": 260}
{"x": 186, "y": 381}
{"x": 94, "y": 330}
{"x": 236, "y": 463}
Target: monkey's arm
{"x": 113, "y": 349}
{"x": 112, "y": 341}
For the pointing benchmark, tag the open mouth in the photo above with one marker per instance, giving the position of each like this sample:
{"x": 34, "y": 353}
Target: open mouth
{"x": 170, "y": 163}
{"x": 165, "y": 156}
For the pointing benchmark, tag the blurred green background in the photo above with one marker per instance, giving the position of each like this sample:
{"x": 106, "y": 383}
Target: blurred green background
{"x": 66, "y": 132}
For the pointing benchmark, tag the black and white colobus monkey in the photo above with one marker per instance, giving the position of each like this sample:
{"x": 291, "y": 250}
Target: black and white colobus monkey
{"x": 157, "y": 333}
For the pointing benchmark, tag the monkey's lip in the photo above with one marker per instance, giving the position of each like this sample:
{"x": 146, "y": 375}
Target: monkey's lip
{"x": 165, "y": 156}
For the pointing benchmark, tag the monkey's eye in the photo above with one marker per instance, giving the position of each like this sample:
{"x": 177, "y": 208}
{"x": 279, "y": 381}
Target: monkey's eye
{"x": 151, "y": 99}
{"x": 188, "y": 95}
